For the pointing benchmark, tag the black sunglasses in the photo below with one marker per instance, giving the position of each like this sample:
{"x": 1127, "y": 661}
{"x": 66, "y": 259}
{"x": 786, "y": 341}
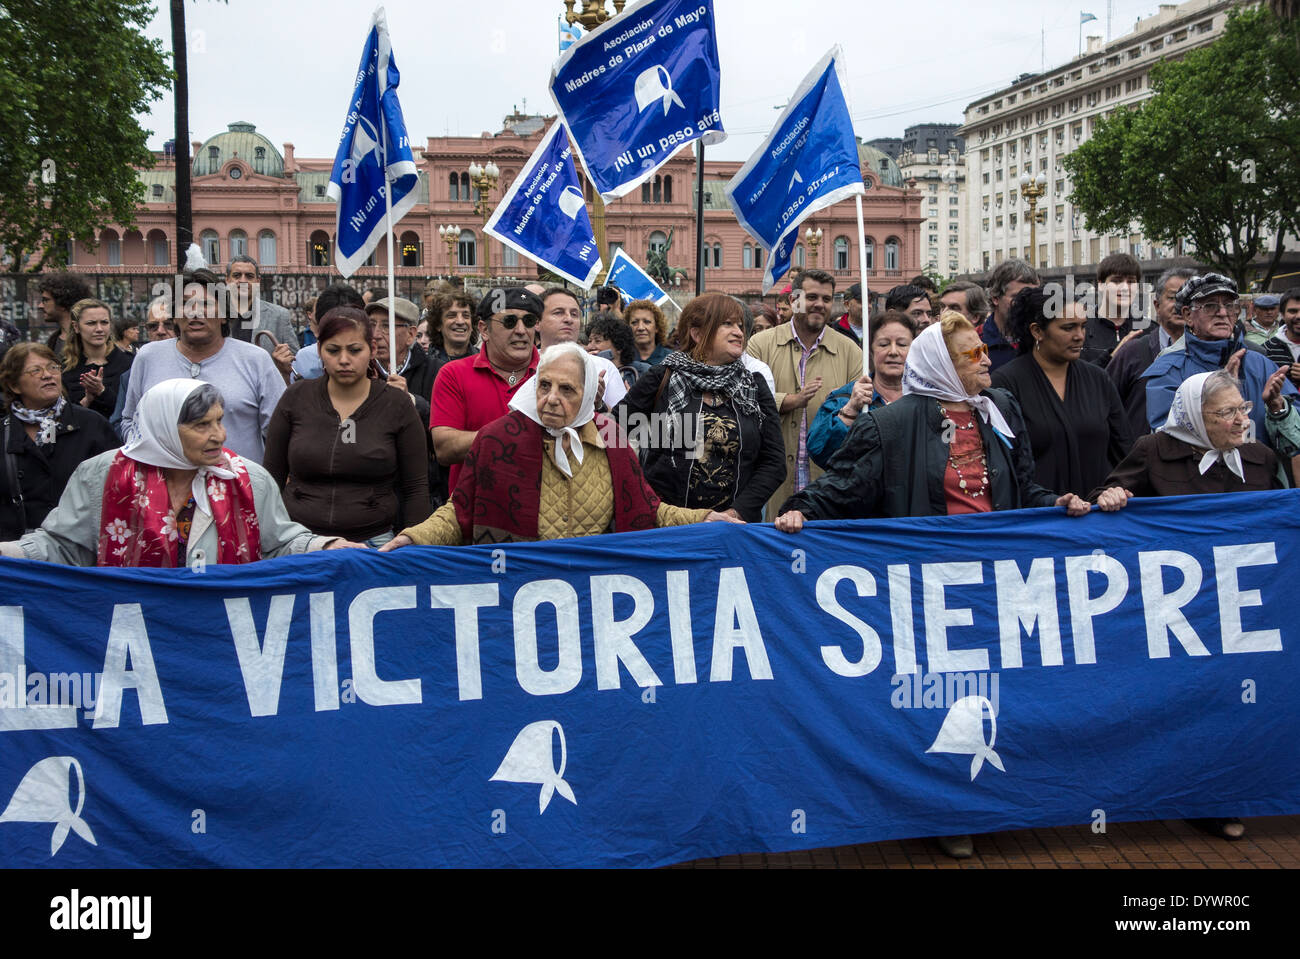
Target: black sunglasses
{"x": 511, "y": 321}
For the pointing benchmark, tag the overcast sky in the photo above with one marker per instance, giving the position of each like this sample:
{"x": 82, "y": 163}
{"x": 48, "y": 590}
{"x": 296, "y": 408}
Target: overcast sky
{"x": 288, "y": 65}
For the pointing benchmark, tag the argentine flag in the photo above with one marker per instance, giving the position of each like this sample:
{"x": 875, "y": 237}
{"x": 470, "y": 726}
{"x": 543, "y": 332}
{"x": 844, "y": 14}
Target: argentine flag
{"x": 373, "y": 152}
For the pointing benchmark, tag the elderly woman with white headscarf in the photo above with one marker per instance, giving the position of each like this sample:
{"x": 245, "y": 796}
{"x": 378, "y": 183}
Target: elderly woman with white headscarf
{"x": 550, "y": 468}
{"x": 949, "y": 445}
{"x": 172, "y": 496}
{"x": 1205, "y": 446}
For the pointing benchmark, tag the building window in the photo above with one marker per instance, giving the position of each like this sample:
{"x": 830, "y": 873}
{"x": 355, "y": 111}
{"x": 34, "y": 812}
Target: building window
{"x": 717, "y": 255}
{"x": 266, "y": 252}
{"x": 211, "y": 247}
{"x": 411, "y": 249}
{"x": 259, "y": 160}
{"x": 467, "y": 249}
{"x": 157, "y": 191}
{"x": 318, "y": 249}
{"x": 657, "y": 242}
{"x": 747, "y": 257}
{"x": 645, "y": 192}
{"x": 214, "y": 159}
{"x": 158, "y": 249}
{"x": 238, "y": 243}
{"x": 510, "y": 257}
{"x": 841, "y": 253}
{"x": 320, "y": 189}
{"x": 799, "y": 256}
{"x": 891, "y": 253}
{"x": 871, "y": 254}
{"x": 668, "y": 189}
{"x": 112, "y": 248}
{"x": 659, "y": 190}
{"x": 453, "y": 187}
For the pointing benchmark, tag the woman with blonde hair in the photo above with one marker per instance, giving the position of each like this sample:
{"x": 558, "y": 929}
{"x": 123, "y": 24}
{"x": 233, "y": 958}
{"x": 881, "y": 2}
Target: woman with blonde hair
{"x": 649, "y": 330}
{"x": 92, "y": 361}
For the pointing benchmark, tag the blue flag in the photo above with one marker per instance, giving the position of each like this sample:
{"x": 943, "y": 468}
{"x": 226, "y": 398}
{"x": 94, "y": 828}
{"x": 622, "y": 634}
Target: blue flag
{"x": 638, "y": 88}
{"x": 635, "y": 282}
{"x": 808, "y": 162}
{"x": 373, "y": 140}
{"x": 1085, "y": 17}
{"x": 544, "y": 216}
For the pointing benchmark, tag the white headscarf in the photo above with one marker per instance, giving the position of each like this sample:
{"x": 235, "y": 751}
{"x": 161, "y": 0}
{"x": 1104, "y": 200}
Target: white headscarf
{"x": 156, "y": 439}
{"x": 525, "y": 401}
{"x": 929, "y": 371}
{"x": 1187, "y": 423}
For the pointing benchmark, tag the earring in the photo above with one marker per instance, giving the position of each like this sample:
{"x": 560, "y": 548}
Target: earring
{"x": 1037, "y": 343}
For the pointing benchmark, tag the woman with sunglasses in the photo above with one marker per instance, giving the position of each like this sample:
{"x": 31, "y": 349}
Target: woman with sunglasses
{"x": 949, "y": 445}
{"x": 1073, "y": 414}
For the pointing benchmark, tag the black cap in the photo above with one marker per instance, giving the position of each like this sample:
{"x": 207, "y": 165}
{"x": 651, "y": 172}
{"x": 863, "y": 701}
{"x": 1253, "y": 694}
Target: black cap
{"x": 854, "y": 292}
{"x": 1199, "y": 287}
{"x": 502, "y": 298}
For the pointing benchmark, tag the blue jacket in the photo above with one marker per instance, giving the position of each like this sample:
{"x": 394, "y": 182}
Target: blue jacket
{"x": 827, "y": 432}
{"x": 1190, "y": 356}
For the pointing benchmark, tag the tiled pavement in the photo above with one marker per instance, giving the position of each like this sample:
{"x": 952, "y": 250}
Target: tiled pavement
{"x": 1271, "y": 842}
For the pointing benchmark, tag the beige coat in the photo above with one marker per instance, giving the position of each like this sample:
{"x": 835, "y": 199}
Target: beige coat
{"x": 837, "y": 360}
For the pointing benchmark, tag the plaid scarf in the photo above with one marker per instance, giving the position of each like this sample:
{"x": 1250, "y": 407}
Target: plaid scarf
{"x": 46, "y": 419}
{"x": 733, "y": 382}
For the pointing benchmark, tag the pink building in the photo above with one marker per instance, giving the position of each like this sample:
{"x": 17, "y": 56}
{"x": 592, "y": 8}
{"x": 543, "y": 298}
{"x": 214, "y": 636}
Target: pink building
{"x": 249, "y": 197}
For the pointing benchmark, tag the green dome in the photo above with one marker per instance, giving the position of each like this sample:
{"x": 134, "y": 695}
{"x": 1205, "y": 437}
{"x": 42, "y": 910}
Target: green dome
{"x": 881, "y": 164}
{"x": 242, "y": 140}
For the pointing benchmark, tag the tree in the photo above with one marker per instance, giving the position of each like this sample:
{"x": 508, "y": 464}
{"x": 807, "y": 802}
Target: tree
{"x": 1212, "y": 157}
{"x": 73, "y": 79}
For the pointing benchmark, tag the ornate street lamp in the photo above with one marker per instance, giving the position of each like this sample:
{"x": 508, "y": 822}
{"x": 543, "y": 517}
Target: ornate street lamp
{"x": 450, "y": 235}
{"x": 484, "y": 178}
{"x": 813, "y": 239}
{"x": 1032, "y": 188}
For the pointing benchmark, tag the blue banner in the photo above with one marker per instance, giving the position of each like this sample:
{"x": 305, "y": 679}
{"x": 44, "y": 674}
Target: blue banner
{"x": 634, "y": 282}
{"x": 646, "y": 698}
{"x": 544, "y": 215}
{"x": 808, "y": 162}
{"x": 638, "y": 88}
{"x": 374, "y": 152}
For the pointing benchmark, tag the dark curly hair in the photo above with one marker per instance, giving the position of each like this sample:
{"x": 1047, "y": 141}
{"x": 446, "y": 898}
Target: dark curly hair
{"x": 65, "y": 289}
{"x": 619, "y": 334}
{"x": 1027, "y": 308}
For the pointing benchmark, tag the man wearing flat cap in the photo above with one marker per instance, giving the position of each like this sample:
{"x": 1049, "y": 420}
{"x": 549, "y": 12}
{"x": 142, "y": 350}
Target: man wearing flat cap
{"x": 1261, "y": 318}
{"x": 474, "y": 390}
{"x": 412, "y": 370}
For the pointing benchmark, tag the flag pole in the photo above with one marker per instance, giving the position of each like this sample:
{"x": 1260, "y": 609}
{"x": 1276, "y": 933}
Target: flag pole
{"x": 392, "y": 282}
{"x": 862, "y": 271}
{"x": 699, "y": 217}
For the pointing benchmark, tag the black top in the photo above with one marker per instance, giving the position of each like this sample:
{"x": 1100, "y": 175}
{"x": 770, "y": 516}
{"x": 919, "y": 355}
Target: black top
{"x": 755, "y": 473}
{"x": 1162, "y": 465}
{"x": 119, "y": 361}
{"x": 1076, "y": 440}
{"x": 44, "y": 471}
{"x": 1101, "y": 336}
{"x": 1125, "y": 371}
{"x": 893, "y": 461}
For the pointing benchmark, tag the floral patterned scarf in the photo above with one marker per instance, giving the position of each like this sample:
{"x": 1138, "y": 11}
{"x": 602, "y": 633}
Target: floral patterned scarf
{"x": 138, "y": 526}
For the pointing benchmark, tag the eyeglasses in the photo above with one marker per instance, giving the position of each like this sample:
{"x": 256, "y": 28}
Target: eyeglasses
{"x": 510, "y": 321}
{"x": 1232, "y": 412}
{"x": 48, "y": 368}
{"x": 975, "y": 354}
{"x": 1214, "y": 306}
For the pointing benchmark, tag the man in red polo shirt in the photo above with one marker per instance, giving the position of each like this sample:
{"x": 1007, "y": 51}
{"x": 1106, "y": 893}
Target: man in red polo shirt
{"x": 473, "y": 391}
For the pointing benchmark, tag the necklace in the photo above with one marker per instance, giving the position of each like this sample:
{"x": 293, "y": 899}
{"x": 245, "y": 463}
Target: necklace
{"x": 511, "y": 376}
{"x": 967, "y": 459}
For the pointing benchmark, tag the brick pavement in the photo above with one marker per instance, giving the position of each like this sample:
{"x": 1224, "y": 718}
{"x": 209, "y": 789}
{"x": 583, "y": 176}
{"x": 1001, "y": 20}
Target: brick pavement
{"x": 1271, "y": 842}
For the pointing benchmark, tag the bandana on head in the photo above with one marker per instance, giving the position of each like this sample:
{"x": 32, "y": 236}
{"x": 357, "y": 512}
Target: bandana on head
{"x": 525, "y": 401}
{"x": 929, "y": 371}
{"x": 1186, "y": 422}
{"x": 137, "y": 524}
{"x": 46, "y": 420}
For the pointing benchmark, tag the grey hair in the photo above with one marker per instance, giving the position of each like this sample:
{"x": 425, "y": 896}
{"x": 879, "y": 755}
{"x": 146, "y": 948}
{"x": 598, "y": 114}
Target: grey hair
{"x": 1008, "y": 272}
{"x": 1184, "y": 272}
{"x": 198, "y": 403}
{"x": 1216, "y": 383}
{"x": 560, "y": 350}
{"x": 243, "y": 258}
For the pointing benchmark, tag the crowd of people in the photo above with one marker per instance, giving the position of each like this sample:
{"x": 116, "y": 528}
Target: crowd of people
{"x": 220, "y": 438}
